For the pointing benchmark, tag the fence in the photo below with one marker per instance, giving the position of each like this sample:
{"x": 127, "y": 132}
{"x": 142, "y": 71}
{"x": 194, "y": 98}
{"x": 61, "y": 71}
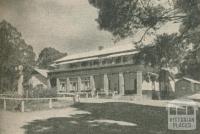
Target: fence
{"x": 89, "y": 94}
{"x": 7, "y": 95}
{"x": 11, "y": 103}
{"x": 32, "y": 104}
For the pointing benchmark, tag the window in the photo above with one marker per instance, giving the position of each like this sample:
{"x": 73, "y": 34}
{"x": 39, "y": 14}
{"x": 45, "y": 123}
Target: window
{"x": 84, "y": 64}
{"x": 73, "y": 65}
{"x": 109, "y": 61}
{"x": 96, "y": 63}
{"x": 118, "y": 60}
{"x": 85, "y": 85}
{"x": 104, "y": 62}
{"x": 90, "y": 63}
{"x": 125, "y": 59}
{"x": 74, "y": 86}
{"x": 62, "y": 87}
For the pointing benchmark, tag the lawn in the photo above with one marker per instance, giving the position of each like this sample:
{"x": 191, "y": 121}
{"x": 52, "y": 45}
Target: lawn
{"x": 108, "y": 118}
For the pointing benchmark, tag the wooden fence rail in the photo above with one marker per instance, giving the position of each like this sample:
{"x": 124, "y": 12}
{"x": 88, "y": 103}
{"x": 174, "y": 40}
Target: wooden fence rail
{"x": 22, "y": 101}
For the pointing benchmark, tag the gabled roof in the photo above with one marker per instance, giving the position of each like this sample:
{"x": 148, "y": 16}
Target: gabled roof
{"x": 106, "y": 51}
{"x": 43, "y": 72}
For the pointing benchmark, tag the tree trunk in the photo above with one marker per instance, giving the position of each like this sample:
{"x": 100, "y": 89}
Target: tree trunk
{"x": 164, "y": 84}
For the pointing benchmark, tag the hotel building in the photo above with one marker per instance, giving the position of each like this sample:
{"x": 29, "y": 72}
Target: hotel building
{"x": 107, "y": 70}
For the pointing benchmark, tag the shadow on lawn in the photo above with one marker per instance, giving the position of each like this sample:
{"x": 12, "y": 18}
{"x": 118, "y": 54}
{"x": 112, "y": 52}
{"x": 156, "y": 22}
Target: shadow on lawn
{"x": 148, "y": 120}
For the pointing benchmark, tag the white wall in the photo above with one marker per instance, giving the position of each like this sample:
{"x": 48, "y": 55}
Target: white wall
{"x": 34, "y": 81}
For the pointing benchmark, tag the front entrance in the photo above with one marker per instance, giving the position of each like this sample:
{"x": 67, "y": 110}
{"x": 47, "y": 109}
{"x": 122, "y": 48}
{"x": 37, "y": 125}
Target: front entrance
{"x": 99, "y": 85}
{"x": 130, "y": 83}
{"x": 73, "y": 84}
{"x": 85, "y": 81}
{"x": 63, "y": 86}
{"x": 113, "y": 82}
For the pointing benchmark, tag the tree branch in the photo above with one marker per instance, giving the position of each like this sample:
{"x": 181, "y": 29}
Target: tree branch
{"x": 143, "y": 35}
{"x": 144, "y": 7}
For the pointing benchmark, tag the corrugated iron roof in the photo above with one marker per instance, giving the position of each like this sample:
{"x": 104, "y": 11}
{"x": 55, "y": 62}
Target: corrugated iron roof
{"x": 111, "y": 50}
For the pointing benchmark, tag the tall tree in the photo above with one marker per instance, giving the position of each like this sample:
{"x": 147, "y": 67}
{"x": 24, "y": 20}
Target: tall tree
{"x": 166, "y": 55}
{"x": 13, "y": 52}
{"x": 191, "y": 64}
{"x": 47, "y": 56}
{"x": 166, "y": 50}
{"x": 124, "y": 18}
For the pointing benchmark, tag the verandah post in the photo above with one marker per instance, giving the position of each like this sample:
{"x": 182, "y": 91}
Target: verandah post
{"x": 106, "y": 83}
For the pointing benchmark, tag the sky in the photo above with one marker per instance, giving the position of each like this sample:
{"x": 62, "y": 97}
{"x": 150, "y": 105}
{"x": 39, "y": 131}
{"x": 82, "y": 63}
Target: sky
{"x": 67, "y": 25}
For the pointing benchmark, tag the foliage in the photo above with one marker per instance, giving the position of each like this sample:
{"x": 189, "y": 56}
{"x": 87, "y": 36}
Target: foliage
{"x": 191, "y": 65}
{"x": 123, "y": 18}
{"x": 47, "y": 56}
{"x": 41, "y": 93}
{"x": 13, "y": 52}
{"x": 166, "y": 51}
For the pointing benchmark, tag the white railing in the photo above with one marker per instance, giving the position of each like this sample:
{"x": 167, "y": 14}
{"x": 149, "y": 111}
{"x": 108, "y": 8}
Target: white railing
{"x": 21, "y": 107}
{"x": 87, "y": 94}
{"x": 2, "y": 95}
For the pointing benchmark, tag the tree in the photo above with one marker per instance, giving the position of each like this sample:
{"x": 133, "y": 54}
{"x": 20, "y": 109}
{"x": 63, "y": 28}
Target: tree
{"x": 191, "y": 64}
{"x": 13, "y": 52}
{"x": 166, "y": 50}
{"x": 47, "y": 56}
{"x": 123, "y": 18}
{"x": 166, "y": 55}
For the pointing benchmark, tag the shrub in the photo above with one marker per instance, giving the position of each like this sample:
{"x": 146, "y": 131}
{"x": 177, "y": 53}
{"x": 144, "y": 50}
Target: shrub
{"x": 42, "y": 93}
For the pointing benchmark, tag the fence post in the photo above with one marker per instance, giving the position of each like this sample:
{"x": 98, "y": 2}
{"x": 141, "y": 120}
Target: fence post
{"x": 97, "y": 95}
{"x": 4, "y": 104}
{"x": 50, "y": 103}
{"x": 92, "y": 94}
{"x": 22, "y": 106}
{"x": 86, "y": 95}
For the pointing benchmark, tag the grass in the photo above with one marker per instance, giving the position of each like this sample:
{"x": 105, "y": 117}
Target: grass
{"x": 148, "y": 120}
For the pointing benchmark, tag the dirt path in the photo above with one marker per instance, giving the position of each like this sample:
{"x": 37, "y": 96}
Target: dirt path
{"x": 12, "y": 123}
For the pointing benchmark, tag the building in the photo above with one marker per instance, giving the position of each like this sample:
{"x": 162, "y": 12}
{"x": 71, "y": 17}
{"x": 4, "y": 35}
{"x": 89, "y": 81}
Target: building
{"x": 38, "y": 78}
{"x": 186, "y": 86}
{"x": 109, "y": 70}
